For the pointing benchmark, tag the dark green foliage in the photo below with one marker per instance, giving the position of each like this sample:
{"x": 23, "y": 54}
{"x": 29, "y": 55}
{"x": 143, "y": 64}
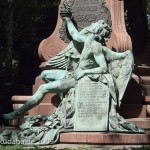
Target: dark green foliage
{"x": 30, "y": 22}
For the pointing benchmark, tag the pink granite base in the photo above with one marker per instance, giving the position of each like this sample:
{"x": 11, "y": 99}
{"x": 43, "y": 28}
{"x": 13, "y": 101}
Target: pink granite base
{"x": 100, "y": 138}
{"x": 104, "y": 138}
{"x": 141, "y": 122}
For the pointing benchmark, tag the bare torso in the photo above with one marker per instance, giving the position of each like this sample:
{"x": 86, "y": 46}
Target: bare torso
{"x": 87, "y": 60}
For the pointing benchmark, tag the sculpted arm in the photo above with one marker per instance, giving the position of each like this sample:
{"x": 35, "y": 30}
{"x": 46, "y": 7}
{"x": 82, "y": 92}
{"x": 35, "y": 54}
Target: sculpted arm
{"x": 111, "y": 55}
{"x": 73, "y": 31}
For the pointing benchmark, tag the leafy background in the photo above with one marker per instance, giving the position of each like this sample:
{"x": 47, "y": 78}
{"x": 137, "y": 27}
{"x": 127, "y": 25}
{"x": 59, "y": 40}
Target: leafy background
{"x": 23, "y": 25}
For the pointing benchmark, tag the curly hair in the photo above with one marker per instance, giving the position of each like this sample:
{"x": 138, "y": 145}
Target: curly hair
{"x": 101, "y": 28}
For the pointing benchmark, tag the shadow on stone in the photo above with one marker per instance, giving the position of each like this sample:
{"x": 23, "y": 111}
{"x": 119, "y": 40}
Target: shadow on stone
{"x": 133, "y": 93}
{"x": 133, "y": 100}
{"x": 55, "y": 100}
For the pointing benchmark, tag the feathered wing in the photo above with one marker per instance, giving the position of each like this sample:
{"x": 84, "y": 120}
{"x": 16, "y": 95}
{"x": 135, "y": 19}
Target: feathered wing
{"x": 60, "y": 61}
{"x": 121, "y": 70}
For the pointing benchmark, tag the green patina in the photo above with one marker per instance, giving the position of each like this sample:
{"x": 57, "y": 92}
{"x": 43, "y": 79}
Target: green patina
{"x": 86, "y": 56}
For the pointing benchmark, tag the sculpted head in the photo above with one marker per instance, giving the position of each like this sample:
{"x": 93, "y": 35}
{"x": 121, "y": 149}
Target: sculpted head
{"x": 100, "y": 29}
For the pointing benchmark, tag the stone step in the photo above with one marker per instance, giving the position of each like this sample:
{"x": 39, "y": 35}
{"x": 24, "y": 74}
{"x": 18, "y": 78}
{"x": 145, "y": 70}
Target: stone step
{"x": 146, "y": 90}
{"x": 97, "y": 147}
{"x": 19, "y": 99}
{"x": 143, "y": 84}
{"x": 18, "y": 122}
{"x": 144, "y": 80}
{"x": 49, "y": 98}
{"x": 16, "y": 106}
{"x": 142, "y": 70}
{"x": 98, "y": 138}
{"x": 104, "y": 138}
{"x": 9, "y": 128}
{"x": 141, "y": 122}
{"x": 43, "y": 109}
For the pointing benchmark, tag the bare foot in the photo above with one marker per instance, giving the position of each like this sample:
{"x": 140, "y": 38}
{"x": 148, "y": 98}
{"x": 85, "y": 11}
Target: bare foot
{"x": 12, "y": 115}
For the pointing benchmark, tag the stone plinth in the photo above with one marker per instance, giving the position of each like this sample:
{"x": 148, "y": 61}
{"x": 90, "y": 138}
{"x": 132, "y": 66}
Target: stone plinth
{"x": 20, "y": 99}
{"x": 141, "y": 122}
{"x": 142, "y": 70}
{"x": 104, "y": 138}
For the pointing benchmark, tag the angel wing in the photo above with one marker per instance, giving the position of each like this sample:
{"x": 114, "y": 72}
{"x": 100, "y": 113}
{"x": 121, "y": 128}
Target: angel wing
{"x": 120, "y": 66}
{"x": 60, "y": 61}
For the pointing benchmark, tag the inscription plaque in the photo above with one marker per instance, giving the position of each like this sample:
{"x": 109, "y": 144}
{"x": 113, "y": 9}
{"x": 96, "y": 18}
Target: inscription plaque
{"x": 92, "y": 104}
{"x": 85, "y": 12}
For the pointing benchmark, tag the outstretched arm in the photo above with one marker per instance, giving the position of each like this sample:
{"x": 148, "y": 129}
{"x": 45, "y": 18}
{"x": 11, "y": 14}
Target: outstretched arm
{"x": 111, "y": 55}
{"x": 73, "y": 31}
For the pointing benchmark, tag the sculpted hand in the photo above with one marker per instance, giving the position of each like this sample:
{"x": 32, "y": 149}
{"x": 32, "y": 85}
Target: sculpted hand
{"x": 126, "y": 53}
{"x": 79, "y": 74}
{"x": 65, "y": 13}
{"x": 66, "y": 18}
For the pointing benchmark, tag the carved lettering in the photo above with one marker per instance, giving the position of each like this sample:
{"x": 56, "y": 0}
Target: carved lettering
{"x": 86, "y": 9}
{"x": 86, "y": 2}
{"x": 92, "y": 106}
{"x": 86, "y": 18}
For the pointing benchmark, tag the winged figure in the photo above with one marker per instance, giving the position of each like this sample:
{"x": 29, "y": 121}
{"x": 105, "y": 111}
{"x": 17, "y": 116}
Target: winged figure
{"x": 86, "y": 55}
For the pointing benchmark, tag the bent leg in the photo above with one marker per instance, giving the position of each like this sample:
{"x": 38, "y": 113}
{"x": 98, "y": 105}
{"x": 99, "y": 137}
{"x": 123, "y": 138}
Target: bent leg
{"x": 53, "y": 75}
{"x": 59, "y": 86}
